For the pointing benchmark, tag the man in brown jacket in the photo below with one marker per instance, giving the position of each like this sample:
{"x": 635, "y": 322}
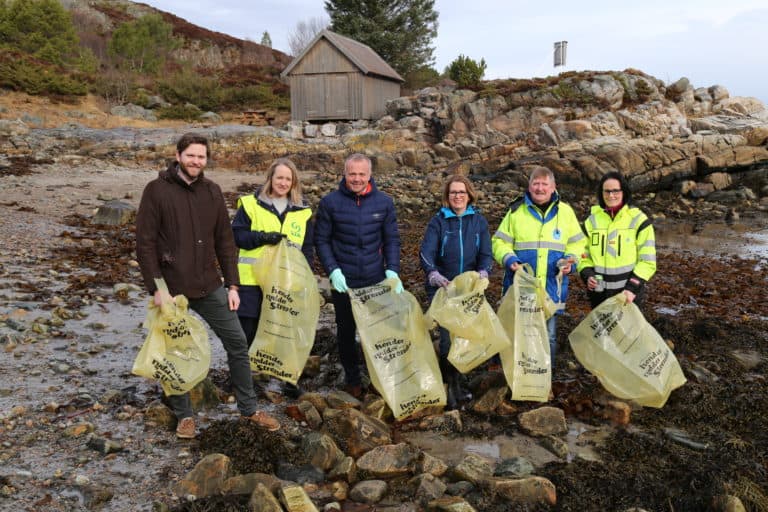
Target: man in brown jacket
{"x": 182, "y": 231}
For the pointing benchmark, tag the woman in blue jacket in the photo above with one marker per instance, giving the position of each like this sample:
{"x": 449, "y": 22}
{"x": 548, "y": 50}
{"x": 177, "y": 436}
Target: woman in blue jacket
{"x": 456, "y": 240}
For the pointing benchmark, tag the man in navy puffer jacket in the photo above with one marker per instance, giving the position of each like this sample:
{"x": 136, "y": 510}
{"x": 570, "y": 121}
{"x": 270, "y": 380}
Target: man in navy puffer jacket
{"x": 358, "y": 244}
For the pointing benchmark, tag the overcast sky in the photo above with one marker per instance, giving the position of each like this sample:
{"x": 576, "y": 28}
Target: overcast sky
{"x": 709, "y": 41}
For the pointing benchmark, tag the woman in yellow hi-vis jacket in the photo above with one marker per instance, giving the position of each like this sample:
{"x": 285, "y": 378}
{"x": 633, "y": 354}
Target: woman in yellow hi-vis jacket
{"x": 276, "y": 211}
{"x": 542, "y": 231}
{"x": 621, "y": 244}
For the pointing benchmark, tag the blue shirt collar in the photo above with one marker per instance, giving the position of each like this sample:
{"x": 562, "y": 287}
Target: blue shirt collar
{"x": 448, "y": 213}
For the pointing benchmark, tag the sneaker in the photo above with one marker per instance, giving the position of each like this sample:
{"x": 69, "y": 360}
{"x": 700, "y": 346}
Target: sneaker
{"x": 186, "y": 428}
{"x": 264, "y": 421}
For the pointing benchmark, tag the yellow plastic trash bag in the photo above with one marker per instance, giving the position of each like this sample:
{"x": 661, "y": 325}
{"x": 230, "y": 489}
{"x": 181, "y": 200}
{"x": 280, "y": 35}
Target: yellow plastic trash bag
{"x": 176, "y": 351}
{"x": 526, "y": 364}
{"x": 476, "y": 332}
{"x": 631, "y": 360}
{"x": 289, "y": 313}
{"x": 398, "y": 349}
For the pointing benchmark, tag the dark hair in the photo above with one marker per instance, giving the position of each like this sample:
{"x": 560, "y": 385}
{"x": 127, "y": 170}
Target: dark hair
{"x": 614, "y": 175}
{"x": 458, "y": 178}
{"x": 188, "y": 139}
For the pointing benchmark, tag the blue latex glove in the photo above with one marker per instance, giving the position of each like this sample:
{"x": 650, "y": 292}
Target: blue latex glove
{"x": 338, "y": 281}
{"x": 483, "y": 274}
{"x": 391, "y": 274}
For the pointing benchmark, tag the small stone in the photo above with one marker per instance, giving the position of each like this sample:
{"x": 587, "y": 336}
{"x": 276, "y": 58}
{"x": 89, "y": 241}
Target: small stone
{"x": 555, "y": 445}
{"x": 79, "y": 429}
{"x": 104, "y": 446}
{"x": 368, "y": 491}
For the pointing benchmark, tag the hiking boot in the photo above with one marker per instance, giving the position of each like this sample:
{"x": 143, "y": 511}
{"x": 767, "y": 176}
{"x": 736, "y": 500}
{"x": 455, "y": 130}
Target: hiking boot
{"x": 186, "y": 428}
{"x": 356, "y": 390}
{"x": 265, "y": 421}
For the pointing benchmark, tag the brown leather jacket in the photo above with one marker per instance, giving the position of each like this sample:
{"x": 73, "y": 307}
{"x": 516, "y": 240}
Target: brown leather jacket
{"x": 182, "y": 232}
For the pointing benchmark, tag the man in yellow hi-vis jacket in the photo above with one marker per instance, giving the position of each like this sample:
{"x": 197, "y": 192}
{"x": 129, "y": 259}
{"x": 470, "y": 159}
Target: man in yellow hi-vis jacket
{"x": 621, "y": 244}
{"x": 542, "y": 231}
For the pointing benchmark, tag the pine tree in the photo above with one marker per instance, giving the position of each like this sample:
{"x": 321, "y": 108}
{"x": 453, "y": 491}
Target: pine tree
{"x": 42, "y": 28}
{"x": 143, "y": 44}
{"x": 400, "y": 31}
{"x": 266, "y": 40}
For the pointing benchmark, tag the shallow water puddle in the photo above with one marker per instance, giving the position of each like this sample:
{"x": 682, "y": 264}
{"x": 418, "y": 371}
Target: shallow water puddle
{"x": 714, "y": 238}
{"x": 581, "y": 438}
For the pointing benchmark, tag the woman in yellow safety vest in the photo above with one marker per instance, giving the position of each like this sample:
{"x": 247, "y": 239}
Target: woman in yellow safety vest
{"x": 621, "y": 244}
{"x": 276, "y": 211}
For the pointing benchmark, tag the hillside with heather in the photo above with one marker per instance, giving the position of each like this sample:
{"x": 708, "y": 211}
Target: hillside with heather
{"x": 126, "y": 52}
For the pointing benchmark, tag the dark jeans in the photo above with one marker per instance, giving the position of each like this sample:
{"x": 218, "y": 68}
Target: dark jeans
{"x": 214, "y": 309}
{"x": 345, "y": 338}
{"x": 249, "y": 311}
{"x": 445, "y": 336}
{"x": 445, "y": 342}
{"x": 250, "y": 326}
{"x": 552, "y": 334}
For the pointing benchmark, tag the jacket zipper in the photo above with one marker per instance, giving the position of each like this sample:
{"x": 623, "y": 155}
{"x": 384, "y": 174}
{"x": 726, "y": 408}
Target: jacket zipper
{"x": 461, "y": 248}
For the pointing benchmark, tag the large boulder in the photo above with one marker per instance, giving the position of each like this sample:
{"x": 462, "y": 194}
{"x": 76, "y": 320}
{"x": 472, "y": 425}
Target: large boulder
{"x": 115, "y": 213}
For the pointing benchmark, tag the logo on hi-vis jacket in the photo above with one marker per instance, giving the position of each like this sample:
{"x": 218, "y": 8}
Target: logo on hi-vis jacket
{"x": 296, "y": 229}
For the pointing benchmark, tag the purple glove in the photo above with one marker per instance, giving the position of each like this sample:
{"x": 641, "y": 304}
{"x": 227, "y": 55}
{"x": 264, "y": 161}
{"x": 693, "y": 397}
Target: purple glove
{"x": 483, "y": 274}
{"x": 435, "y": 278}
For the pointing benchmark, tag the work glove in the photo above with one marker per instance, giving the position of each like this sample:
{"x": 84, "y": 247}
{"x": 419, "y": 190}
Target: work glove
{"x": 272, "y": 237}
{"x": 338, "y": 281}
{"x": 483, "y": 274}
{"x": 391, "y": 274}
{"x": 435, "y": 278}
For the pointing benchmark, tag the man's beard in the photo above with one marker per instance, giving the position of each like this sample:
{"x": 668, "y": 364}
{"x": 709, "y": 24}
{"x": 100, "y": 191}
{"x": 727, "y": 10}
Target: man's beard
{"x": 183, "y": 169}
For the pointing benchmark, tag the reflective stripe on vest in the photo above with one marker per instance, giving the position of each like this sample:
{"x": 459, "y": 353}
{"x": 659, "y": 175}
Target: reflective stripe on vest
{"x": 557, "y": 246}
{"x": 613, "y": 246}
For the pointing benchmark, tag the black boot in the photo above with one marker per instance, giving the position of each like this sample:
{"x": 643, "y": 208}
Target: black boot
{"x": 455, "y": 388}
{"x": 291, "y": 390}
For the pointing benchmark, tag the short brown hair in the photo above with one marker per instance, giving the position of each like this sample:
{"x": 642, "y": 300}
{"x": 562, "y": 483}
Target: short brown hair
{"x": 188, "y": 139}
{"x": 458, "y": 178}
{"x": 295, "y": 192}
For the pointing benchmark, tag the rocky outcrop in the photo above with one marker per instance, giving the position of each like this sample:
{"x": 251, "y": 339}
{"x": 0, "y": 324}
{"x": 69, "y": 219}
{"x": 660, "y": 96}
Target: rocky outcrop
{"x": 580, "y": 127}
{"x": 583, "y": 127}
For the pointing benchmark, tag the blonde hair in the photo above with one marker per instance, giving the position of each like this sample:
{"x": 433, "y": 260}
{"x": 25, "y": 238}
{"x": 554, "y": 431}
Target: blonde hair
{"x": 294, "y": 194}
{"x": 458, "y": 178}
